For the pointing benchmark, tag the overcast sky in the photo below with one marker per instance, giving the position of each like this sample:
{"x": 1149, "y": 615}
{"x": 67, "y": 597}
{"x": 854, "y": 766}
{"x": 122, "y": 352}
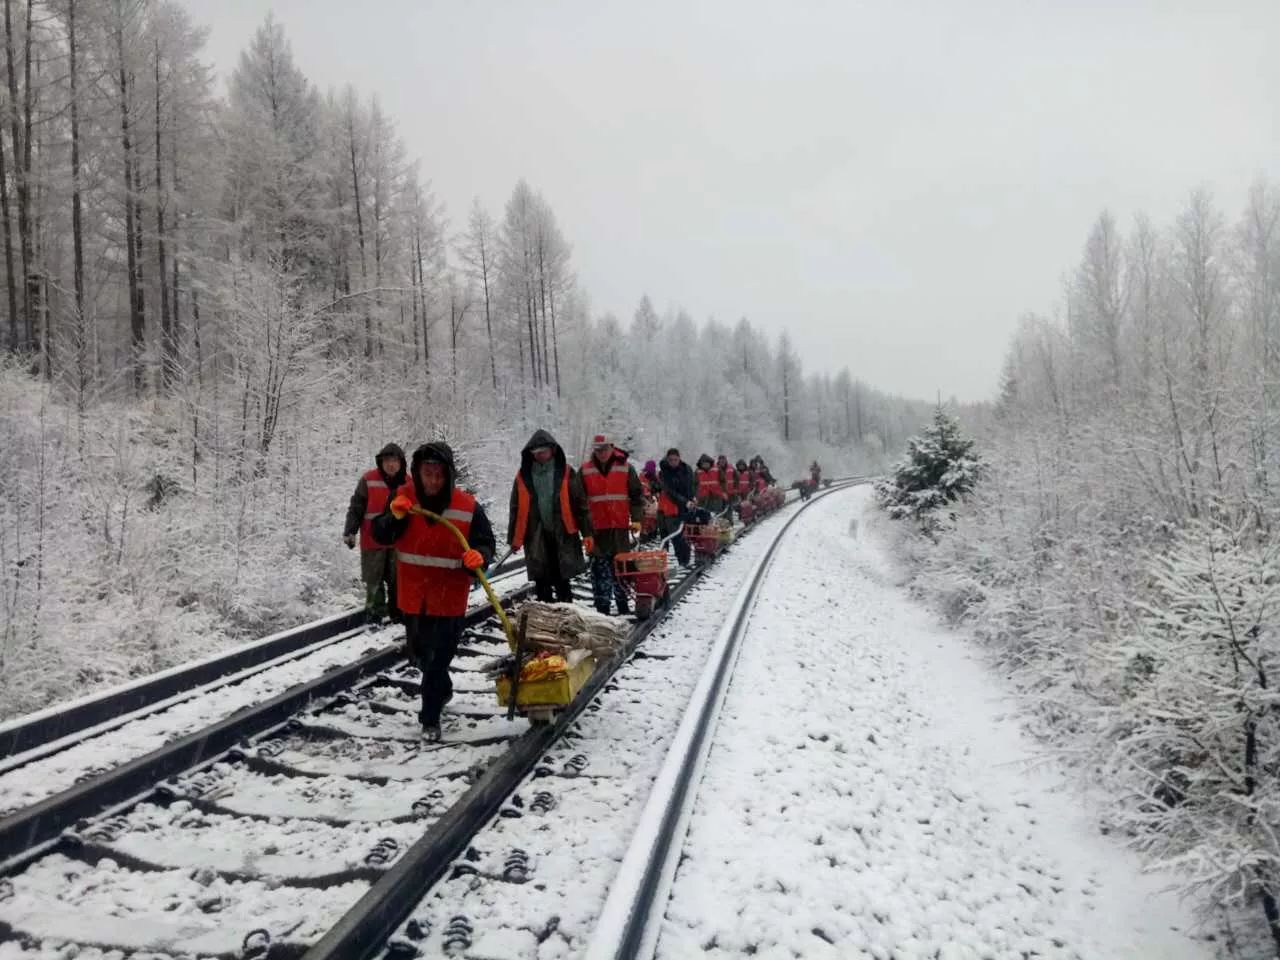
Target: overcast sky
{"x": 893, "y": 182}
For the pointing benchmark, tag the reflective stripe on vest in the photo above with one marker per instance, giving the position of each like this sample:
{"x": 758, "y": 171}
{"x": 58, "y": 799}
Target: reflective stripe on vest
{"x": 523, "y": 499}
{"x": 375, "y": 503}
{"x": 709, "y": 483}
{"x": 608, "y": 495}
{"x": 418, "y": 560}
{"x": 430, "y": 578}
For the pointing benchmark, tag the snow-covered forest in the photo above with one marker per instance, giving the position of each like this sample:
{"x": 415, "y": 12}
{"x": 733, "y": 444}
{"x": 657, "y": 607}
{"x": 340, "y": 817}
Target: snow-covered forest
{"x": 220, "y": 304}
{"x": 1120, "y": 553}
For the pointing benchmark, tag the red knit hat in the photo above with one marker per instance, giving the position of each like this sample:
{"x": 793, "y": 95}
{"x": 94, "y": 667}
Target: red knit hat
{"x": 601, "y": 441}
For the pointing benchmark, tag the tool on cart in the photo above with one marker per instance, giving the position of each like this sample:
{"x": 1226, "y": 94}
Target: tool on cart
{"x": 516, "y": 668}
{"x": 557, "y": 648}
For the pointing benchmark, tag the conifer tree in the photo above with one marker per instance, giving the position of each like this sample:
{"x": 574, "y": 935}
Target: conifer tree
{"x": 940, "y": 467}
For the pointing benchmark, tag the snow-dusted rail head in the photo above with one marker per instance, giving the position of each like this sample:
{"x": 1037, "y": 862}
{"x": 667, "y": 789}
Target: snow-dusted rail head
{"x": 867, "y": 794}
{"x": 261, "y": 851}
{"x": 530, "y": 884}
{"x": 36, "y": 774}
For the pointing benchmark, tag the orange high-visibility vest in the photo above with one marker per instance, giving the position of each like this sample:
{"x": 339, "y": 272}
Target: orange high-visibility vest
{"x": 524, "y": 500}
{"x": 608, "y": 498}
{"x": 375, "y": 504}
{"x": 744, "y": 483}
{"x": 730, "y": 480}
{"x": 709, "y": 483}
{"x": 430, "y": 578}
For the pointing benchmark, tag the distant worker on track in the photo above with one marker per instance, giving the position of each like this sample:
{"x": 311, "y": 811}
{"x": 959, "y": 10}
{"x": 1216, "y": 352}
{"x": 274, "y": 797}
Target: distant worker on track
{"x": 433, "y": 571}
{"x": 616, "y": 503}
{"x": 649, "y": 478}
{"x": 377, "y": 564}
{"x": 548, "y": 518}
{"x": 710, "y": 493}
{"x": 763, "y": 477}
{"x": 677, "y": 497}
{"x": 728, "y": 480}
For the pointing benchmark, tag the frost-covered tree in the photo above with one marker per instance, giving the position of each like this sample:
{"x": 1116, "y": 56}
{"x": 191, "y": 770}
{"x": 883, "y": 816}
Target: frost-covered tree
{"x": 940, "y": 467}
{"x": 220, "y": 304}
{"x": 1199, "y": 714}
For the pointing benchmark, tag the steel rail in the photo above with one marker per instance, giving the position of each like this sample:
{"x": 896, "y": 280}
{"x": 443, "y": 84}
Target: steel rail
{"x": 25, "y": 832}
{"x": 113, "y": 707}
{"x": 628, "y": 925}
{"x": 26, "y": 733}
{"x": 364, "y": 930}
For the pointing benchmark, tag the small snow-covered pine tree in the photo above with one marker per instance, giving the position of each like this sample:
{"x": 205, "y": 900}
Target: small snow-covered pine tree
{"x": 940, "y": 467}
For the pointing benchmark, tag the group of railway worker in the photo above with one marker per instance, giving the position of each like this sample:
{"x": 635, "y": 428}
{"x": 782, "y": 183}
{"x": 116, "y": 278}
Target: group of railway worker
{"x": 418, "y": 571}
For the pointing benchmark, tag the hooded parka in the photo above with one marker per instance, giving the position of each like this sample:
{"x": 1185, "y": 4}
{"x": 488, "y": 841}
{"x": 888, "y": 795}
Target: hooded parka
{"x": 429, "y": 574}
{"x": 571, "y": 520}
{"x": 374, "y": 490}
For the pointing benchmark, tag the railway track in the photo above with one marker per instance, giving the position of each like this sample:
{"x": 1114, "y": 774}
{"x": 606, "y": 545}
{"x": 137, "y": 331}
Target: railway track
{"x": 63, "y": 725}
{"x": 530, "y": 883}
{"x": 251, "y": 837}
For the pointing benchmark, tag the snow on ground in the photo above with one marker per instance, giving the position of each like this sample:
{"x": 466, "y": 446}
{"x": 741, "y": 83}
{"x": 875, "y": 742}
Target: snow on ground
{"x": 867, "y": 796}
{"x": 32, "y": 782}
{"x": 43, "y": 778}
{"x": 572, "y": 819}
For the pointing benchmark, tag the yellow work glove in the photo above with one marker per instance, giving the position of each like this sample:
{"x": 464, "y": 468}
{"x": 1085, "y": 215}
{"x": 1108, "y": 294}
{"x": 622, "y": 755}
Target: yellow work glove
{"x": 635, "y": 526}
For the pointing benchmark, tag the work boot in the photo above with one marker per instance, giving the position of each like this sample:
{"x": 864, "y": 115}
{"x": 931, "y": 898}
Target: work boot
{"x": 431, "y": 733}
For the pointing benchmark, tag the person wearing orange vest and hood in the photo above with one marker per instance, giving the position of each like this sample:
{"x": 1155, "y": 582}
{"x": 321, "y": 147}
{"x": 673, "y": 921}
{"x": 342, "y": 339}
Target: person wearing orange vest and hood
{"x": 728, "y": 480}
{"x": 710, "y": 493}
{"x": 548, "y": 518}
{"x": 377, "y": 566}
{"x": 433, "y": 571}
{"x": 616, "y": 503}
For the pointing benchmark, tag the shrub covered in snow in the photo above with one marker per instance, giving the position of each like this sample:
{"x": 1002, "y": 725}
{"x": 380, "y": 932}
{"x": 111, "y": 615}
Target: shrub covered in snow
{"x": 1118, "y": 558}
{"x": 940, "y": 467}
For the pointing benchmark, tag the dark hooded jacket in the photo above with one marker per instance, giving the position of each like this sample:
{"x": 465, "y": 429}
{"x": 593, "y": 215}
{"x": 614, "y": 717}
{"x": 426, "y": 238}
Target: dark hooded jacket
{"x": 387, "y": 529}
{"x": 678, "y": 484}
{"x": 360, "y": 499}
{"x": 568, "y": 546}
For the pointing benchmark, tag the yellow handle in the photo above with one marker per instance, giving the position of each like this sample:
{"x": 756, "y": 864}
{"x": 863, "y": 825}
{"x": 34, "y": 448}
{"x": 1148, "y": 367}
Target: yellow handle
{"x": 484, "y": 581}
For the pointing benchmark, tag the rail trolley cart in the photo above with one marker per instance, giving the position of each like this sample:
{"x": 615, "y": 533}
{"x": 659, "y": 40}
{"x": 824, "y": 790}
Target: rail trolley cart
{"x": 708, "y": 539}
{"x": 644, "y": 574}
{"x": 539, "y": 685}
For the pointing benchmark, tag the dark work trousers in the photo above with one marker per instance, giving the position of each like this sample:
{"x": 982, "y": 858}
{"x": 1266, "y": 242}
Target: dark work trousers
{"x": 604, "y": 583}
{"x": 433, "y": 641}
{"x": 679, "y": 543}
{"x": 551, "y": 586}
{"x": 378, "y": 571}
